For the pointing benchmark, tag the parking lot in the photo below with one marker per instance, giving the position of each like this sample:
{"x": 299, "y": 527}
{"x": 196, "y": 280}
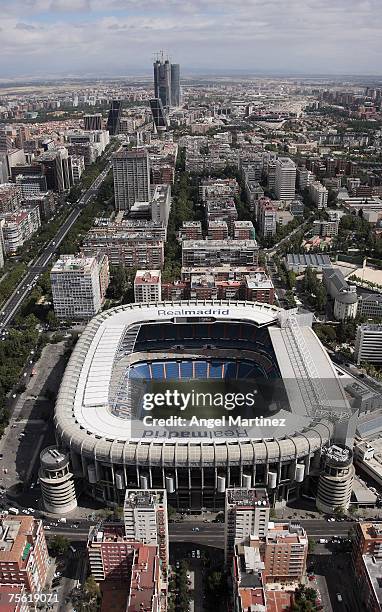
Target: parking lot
{"x": 30, "y": 427}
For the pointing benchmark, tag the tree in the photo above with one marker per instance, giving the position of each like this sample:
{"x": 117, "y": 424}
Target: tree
{"x": 52, "y": 320}
{"x": 304, "y": 599}
{"x": 339, "y": 511}
{"x": 59, "y": 545}
{"x": 171, "y": 512}
{"x": 311, "y": 545}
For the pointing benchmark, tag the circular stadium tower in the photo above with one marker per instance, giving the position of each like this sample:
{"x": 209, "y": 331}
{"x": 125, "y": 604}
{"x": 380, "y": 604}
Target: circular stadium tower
{"x": 196, "y": 397}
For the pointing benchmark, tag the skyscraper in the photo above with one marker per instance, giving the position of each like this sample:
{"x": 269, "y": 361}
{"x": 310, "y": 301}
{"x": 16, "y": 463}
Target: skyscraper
{"x": 131, "y": 172}
{"x": 93, "y": 122}
{"x": 114, "y": 117}
{"x": 162, "y": 81}
{"x": 285, "y": 182}
{"x": 158, "y": 113}
{"x": 175, "y": 85}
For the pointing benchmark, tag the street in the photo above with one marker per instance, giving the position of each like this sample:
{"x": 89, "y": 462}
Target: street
{"x": 41, "y": 264}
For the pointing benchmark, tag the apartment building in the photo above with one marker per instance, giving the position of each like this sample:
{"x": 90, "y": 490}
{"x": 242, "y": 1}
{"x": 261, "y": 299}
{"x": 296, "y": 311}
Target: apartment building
{"x": 146, "y": 521}
{"x": 246, "y": 515}
{"x": 191, "y": 230}
{"x": 23, "y": 552}
{"x": 319, "y": 195}
{"x": 218, "y": 252}
{"x": 131, "y": 172}
{"x": 286, "y": 550}
{"x": 304, "y": 178}
{"x": 147, "y": 286}
{"x": 128, "y": 572}
{"x": 222, "y": 210}
{"x": 325, "y": 228}
{"x": 78, "y": 167}
{"x": 134, "y": 250}
{"x": 217, "y": 230}
{"x": 367, "y": 564}
{"x": 285, "y": 179}
{"x": 10, "y": 197}
{"x": 243, "y": 230}
{"x": 267, "y": 217}
{"x": 259, "y": 288}
{"x": 79, "y": 285}
{"x": 18, "y": 227}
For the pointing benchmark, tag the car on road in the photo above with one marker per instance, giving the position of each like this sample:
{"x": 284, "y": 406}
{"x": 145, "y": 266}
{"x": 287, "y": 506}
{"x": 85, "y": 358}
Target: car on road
{"x": 339, "y": 597}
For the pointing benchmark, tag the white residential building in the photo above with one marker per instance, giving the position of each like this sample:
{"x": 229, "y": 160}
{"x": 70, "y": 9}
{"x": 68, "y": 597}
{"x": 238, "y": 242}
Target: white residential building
{"x": 78, "y": 166}
{"x": 145, "y": 519}
{"x": 147, "y": 286}
{"x": 319, "y": 194}
{"x": 246, "y": 515}
{"x": 18, "y": 227}
{"x": 78, "y": 286}
{"x": 285, "y": 180}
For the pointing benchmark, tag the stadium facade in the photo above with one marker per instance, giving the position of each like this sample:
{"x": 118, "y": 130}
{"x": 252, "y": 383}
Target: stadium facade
{"x": 97, "y": 412}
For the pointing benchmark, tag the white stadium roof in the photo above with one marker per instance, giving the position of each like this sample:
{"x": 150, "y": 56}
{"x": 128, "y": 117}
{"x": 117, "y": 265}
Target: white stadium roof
{"x": 83, "y": 412}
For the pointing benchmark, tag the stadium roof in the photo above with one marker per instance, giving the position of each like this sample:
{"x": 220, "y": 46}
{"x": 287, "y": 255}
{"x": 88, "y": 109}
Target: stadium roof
{"x": 84, "y": 398}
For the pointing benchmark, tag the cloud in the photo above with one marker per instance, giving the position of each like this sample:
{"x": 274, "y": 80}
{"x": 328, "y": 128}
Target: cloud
{"x": 314, "y": 35}
{"x": 25, "y": 26}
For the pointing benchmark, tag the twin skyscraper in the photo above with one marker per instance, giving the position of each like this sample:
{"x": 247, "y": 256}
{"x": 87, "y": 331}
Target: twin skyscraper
{"x": 167, "y": 82}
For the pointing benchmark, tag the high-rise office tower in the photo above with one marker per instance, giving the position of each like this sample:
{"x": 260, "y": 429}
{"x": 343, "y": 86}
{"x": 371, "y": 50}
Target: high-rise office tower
{"x": 114, "y": 117}
{"x": 93, "y": 122}
{"x": 175, "y": 85}
{"x": 131, "y": 172}
{"x": 162, "y": 81}
{"x": 158, "y": 113}
{"x": 285, "y": 181}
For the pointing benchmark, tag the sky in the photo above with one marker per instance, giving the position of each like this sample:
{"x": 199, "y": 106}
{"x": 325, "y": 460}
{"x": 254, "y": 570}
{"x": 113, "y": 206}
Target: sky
{"x": 120, "y": 37}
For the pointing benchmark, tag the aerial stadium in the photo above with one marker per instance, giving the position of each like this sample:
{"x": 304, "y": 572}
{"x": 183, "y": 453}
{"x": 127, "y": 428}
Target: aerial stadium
{"x": 136, "y": 351}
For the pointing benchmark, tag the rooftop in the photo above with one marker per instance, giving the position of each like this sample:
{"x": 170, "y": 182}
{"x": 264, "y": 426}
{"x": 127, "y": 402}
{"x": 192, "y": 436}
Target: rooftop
{"x": 15, "y": 534}
{"x": 73, "y": 263}
{"x": 373, "y": 567}
{"x": 243, "y": 498}
{"x": 141, "y": 498}
{"x": 147, "y": 277}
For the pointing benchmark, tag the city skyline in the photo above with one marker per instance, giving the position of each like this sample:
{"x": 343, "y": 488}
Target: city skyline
{"x": 119, "y": 38}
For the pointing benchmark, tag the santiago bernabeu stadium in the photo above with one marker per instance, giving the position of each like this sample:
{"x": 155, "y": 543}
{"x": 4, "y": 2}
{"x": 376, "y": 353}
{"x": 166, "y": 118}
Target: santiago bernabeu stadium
{"x": 135, "y": 351}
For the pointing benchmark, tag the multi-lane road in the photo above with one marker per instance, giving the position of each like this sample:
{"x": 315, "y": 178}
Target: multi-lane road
{"x": 209, "y": 534}
{"x": 42, "y": 262}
